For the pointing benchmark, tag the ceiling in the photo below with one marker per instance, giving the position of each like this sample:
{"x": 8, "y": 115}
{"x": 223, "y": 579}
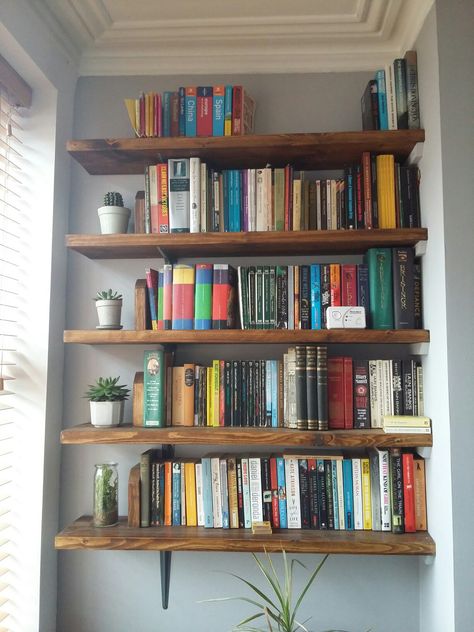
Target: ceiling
{"x": 153, "y": 37}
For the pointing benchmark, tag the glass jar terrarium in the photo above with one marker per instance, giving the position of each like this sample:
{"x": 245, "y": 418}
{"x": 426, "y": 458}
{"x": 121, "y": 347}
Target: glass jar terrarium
{"x": 105, "y": 495}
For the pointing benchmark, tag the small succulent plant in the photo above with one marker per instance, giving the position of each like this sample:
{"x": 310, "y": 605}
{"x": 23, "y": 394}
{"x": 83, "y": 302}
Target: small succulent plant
{"x": 107, "y": 295}
{"x": 107, "y": 389}
{"x": 112, "y": 198}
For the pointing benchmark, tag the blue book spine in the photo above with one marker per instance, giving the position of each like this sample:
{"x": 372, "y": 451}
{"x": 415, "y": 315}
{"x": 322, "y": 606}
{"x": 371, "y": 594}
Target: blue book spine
{"x": 350, "y": 198}
{"x": 274, "y": 369}
{"x": 226, "y": 189}
{"x": 315, "y": 284}
{"x": 237, "y": 197}
{"x": 166, "y": 120}
{"x": 334, "y": 493}
{"x": 282, "y": 492}
{"x": 348, "y": 494}
{"x": 182, "y": 112}
{"x": 218, "y": 114}
{"x": 190, "y": 104}
{"x": 207, "y": 492}
{"x": 363, "y": 294}
{"x": 268, "y": 393}
{"x": 231, "y": 197}
{"x": 228, "y": 111}
{"x": 382, "y": 99}
{"x": 176, "y": 493}
{"x": 224, "y": 494}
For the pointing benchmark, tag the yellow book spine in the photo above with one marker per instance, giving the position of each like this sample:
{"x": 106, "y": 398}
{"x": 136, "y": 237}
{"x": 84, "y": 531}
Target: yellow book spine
{"x": 215, "y": 392}
{"x": 191, "y": 503}
{"x": 209, "y": 392}
{"x": 391, "y": 207}
{"x": 366, "y": 494}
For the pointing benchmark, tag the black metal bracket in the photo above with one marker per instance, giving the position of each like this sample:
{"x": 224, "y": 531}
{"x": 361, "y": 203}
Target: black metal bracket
{"x": 165, "y": 556}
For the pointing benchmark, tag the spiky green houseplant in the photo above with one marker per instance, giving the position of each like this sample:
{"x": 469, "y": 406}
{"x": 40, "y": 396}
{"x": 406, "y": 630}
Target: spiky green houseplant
{"x": 112, "y": 198}
{"x": 109, "y": 308}
{"x": 277, "y": 606}
{"x": 107, "y": 295}
{"x": 113, "y": 215}
{"x": 107, "y": 389}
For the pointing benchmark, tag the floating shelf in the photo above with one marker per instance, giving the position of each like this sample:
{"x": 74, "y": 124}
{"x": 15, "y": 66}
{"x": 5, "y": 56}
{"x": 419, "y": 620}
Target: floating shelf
{"x": 314, "y": 242}
{"x": 85, "y": 434}
{"x": 253, "y": 336}
{"x": 82, "y": 535}
{"x": 328, "y": 150}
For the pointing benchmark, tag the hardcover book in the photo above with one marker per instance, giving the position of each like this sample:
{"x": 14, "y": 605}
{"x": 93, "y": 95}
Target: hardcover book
{"x": 178, "y": 186}
{"x": 154, "y": 389}
{"x": 183, "y": 297}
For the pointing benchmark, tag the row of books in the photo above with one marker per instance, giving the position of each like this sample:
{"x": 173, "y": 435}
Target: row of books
{"x": 184, "y": 195}
{"x": 304, "y": 390}
{"x": 390, "y": 100}
{"x": 216, "y": 296}
{"x": 383, "y": 490}
{"x": 222, "y": 110}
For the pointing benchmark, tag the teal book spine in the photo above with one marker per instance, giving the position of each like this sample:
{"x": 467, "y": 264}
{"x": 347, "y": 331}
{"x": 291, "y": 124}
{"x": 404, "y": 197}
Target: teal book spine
{"x": 154, "y": 389}
{"x": 379, "y": 261}
{"x": 348, "y": 494}
{"x": 382, "y": 97}
{"x": 203, "y": 296}
{"x": 207, "y": 492}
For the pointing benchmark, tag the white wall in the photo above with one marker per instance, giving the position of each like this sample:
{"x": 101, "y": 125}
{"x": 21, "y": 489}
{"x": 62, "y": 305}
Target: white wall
{"x": 118, "y": 590}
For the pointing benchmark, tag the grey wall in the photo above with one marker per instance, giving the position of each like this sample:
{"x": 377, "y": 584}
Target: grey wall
{"x": 107, "y": 590}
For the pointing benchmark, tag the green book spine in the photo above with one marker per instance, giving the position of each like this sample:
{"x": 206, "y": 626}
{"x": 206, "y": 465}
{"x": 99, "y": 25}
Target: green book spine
{"x": 259, "y": 296}
{"x": 243, "y": 297}
{"x": 203, "y": 296}
{"x": 279, "y": 199}
{"x": 154, "y": 389}
{"x": 379, "y": 262}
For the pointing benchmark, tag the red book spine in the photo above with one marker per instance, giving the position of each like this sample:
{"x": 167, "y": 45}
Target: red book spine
{"x": 274, "y": 488}
{"x": 348, "y": 393}
{"x": 174, "y": 107}
{"x": 163, "y": 215}
{"x": 221, "y": 393}
{"x": 367, "y": 180}
{"x": 335, "y": 280}
{"x": 223, "y": 297}
{"x": 183, "y": 297}
{"x": 204, "y": 111}
{"x": 237, "y": 110}
{"x": 408, "y": 492}
{"x": 153, "y": 184}
{"x": 349, "y": 284}
{"x": 336, "y": 392}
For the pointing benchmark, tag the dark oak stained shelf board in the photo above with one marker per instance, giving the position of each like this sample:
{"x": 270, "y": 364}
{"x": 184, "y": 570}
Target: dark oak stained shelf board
{"x": 85, "y": 434}
{"x": 81, "y": 535}
{"x": 238, "y": 336}
{"x": 314, "y": 242}
{"x": 328, "y": 150}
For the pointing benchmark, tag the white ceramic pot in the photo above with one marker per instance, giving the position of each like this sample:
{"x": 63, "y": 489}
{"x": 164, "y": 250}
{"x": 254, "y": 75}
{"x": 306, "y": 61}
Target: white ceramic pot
{"x": 106, "y": 413}
{"x": 109, "y": 313}
{"x": 113, "y": 219}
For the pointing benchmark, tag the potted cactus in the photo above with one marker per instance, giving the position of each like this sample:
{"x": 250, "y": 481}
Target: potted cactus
{"x": 113, "y": 216}
{"x": 106, "y": 399}
{"x": 109, "y": 309}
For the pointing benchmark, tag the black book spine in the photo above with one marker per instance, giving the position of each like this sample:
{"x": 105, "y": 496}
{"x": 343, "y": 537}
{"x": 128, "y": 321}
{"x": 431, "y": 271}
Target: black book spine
{"x": 153, "y": 481}
{"x": 160, "y": 494}
{"x": 244, "y": 410}
{"x": 236, "y": 388}
{"x": 324, "y": 207}
{"x": 396, "y": 487}
{"x": 256, "y": 368}
{"x": 263, "y": 399}
{"x": 413, "y": 199}
{"x": 349, "y": 196}
{"x": 304, "y": 493}
{"x": 361, "y": 394}
{"x": 311, "y": 388}
{"x": 373, "y": 184}
{"x": 305, "y": 296}
{"x": 203, "y": 399}
{"x": 417, "y": 300}
{"x": 329, "y": 494}
{"x": 272, "y": 298}
{"x": 322, "y": 386}
{"x": 266, "y": 488}
{"x": 228, "y": 394}
{"x": 312, "y": 206}
{"x": 397, "y": 380}
{"x": 282, "y": 297}
{"x": 342, "y": 212}
{"x": 251, "y": 393}
{"x": 252, "y": 303}
{"x": 359, "y": 196}
{"x": 322, "y": 497}
{"x": 313, "y": 494}
{"x": 363, "y": 294}
{"x": 240, "y": 493}
{"x": 374, "y": 103}
{"x": 407, "y": 388}
{"x": 325, "y": 291}
{"x": 300, "y": 387}
{"x": 403, "y": 288}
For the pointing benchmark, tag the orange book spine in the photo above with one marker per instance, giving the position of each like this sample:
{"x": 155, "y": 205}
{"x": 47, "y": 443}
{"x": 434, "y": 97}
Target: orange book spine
{"x": 168, "y": 494}
{"x": 190, "y": 484}
{"x": 335, "y": 281}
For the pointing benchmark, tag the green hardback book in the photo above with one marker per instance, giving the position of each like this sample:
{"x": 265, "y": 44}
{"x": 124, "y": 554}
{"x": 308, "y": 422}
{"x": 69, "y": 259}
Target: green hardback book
{"x": 379, "y": 261}
{"x": 154, "y": 373}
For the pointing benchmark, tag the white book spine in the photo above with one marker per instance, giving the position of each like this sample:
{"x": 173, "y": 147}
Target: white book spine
{"x": 285, "y": 390}
{"x": 380, "y": 392}
{"x": 387, "y": 397}
{"x": 204, "y": 198}
{"x": 419, "y": 389}
{"x": 255, "y": 484}
{"x": 340, "y": 495}
{"x": 268, "y": 200}
{"x": 261, "y": 223}
{"x": 407, "y": 429}
{"x": 375, "y": 491}
{"x": 252, "y": 201}
{"x": 178, "y": 188}
{"x": 292, "y": 417}
{"x": 224, "y": 494}
{"x": 293, "y": 507}
{"x": 390, "y": 94}
{"x": 334, "y": 204}
{"x": 195, "y": 195}
{"x": 291, "y": 296}
{"x": 357, "y": 493}
{"x": 246, "y": 493}
{"x": 384, "y": 478}
{"x": 374, "y": 395}
{"x": 199, "y": 495}
{"x": 216, "y": 492}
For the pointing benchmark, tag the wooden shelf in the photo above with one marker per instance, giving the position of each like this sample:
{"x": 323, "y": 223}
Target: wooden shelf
{"x": 82, "y": 535}
{"x": 314, "y": 242}
{"x": 328, "y": 150}
{"x": 85, "y": 434}
{"x": 253, "y": 336}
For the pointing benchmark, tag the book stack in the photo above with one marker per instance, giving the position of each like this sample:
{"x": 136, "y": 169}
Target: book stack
{"x": 222, "y": 110}
{"x": 406, "y": 424}
{"x": 382, "y": 490}
{"x": 390, "y": 100}
{"x": 304, "y": 389}
{"x": 185, "y": 195}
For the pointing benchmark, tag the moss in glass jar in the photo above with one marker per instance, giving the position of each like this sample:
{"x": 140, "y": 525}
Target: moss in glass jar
{"x": 105, "y": 495}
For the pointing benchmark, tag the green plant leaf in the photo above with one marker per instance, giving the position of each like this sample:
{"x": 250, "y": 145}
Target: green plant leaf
{"x": 274, "y": 584}
{"x": 308, "y": 584}
{"x": 255, "y": 589}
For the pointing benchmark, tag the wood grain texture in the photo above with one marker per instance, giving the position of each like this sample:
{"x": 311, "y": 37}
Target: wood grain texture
{"x": 85, "y": 434}
{"x": 141, "y": 305}
{"x": 253, "y": 336}
{"x": 137, "y": 400}
{"x": 81, "y": 535}
{"x": 203, "y": 245}
{"x": 133, "y": 519}
{"x": 328, "y": 150}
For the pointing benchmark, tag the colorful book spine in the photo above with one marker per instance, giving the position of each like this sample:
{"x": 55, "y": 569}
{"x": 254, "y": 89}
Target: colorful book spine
{"x": 218, "y": 105}
{"x": 154, "y": 389}
{"x": 207, "y": 492}
{"x": 152, "y": 287}
{"x": 167, "y": 296}
{"x": 349, "y": 284}
{"x": 190, "y": 111}
{"x": 246, "y": 493}
{"x": 195, "y": 195}
{"x": 183, "y": 297}
{"x": 382, "y": 99}
{"x": 204, "y": 102}
{"x": 315, "y": 281}
{"x": 280, "y": 461}
{"x": 361, "y": 394}
{"x": 178, "y": 201}
{"x": 408, "y": 492}
{"x": 163, "y": 211}
{"x": 255, "y": 486}
{"x": 176, "y": 494}
{"x": 182, "y": 111}
{"x": 293, "y": 504}
{"x": 223, "y": 297}
{"x": 190, "y": 484}
{"x": 228, "y": 111}
{"x": 348, "y": 494}
{"x": 160, "y": 321}
{"x": 203, "y": 296}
